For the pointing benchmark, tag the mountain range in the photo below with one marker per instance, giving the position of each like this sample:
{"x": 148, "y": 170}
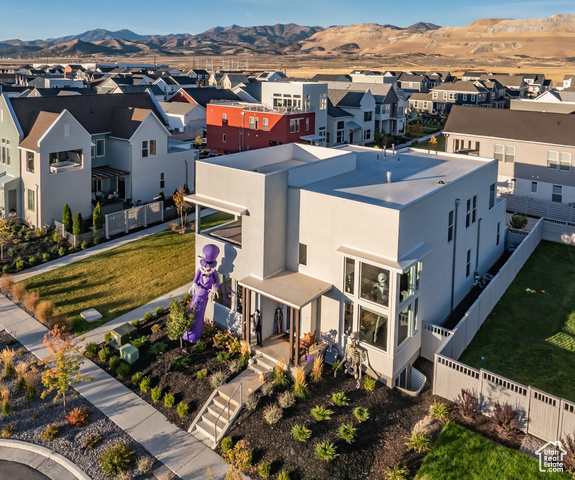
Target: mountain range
{"x": 552, "y": 37}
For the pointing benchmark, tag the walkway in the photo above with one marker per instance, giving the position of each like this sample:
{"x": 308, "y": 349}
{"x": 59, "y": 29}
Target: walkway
{"x": 181, "y": 452}
{"x": 82, "y": 254}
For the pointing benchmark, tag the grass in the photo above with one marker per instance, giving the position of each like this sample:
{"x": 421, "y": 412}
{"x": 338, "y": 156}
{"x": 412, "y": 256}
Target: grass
{"x": 459, "y": 450}
{"x": 119, "y": 280}
{"x": 529, "y": 336}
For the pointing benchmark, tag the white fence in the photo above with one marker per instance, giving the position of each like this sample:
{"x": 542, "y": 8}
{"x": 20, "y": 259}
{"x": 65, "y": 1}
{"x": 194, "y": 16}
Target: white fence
{"x": 539, "y": 208}
{"x": 137, "y": 217}
{"x": 77, "y": 239}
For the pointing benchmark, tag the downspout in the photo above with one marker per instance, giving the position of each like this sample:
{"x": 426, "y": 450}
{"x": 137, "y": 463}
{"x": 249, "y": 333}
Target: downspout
{"x": 477, "y": 252}
{"x": 454, "y": 254}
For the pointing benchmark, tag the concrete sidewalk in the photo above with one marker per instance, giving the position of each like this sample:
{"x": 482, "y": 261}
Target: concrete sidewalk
{"x": 104, "y": 247}
{"x": 181, "y": 452}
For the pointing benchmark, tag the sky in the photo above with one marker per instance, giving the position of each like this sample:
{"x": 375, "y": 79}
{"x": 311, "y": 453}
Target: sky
{"x": 40, "y": 19}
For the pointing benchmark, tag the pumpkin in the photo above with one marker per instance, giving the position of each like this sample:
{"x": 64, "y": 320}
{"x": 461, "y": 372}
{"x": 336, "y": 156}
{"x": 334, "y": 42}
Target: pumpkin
{"x": 263, "y": 377}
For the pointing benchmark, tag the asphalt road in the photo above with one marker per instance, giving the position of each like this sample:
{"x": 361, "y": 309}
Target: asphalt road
{"x": 18, "y": 471}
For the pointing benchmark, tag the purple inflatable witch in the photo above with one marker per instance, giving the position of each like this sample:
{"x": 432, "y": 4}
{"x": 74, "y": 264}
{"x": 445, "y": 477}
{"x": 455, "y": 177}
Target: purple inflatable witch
{"x": 205, "y": 286}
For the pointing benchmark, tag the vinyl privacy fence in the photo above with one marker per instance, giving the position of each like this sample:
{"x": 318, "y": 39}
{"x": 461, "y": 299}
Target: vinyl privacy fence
{"x": 137, "y": 217}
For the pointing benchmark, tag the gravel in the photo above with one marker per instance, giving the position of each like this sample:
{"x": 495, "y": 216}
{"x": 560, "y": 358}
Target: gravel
{"x": 30, "y": 419}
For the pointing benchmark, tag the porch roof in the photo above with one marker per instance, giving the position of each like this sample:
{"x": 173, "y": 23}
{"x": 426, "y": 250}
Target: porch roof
{"x": 99, "y": 173}
{"x": 216, "y": 204}
{"x": 293, "y": 289}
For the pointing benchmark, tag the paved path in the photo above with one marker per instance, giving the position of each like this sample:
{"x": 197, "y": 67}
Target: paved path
{"x": 181, "y": 452}
{"x": 82, "y": 254}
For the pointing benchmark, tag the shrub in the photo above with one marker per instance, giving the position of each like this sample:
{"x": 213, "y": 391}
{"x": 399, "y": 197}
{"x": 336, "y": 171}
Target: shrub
{"x": 67, "y": 218}
{"x": 6, "y": 269}
{"x": 466, "y": 404}
{"x": 227, "y": 444}
{"x": 347, "y": 432}
{"x": 51, "y": 432}
{"x": 72, "y": 249}
{"x": 518, "y": 221}
{"x": 158, "y": 348}
{"x": 336, "y": 364}
{"x": 31, "y": 300}
{"x": 91, "y": 350}
{"x": 181, "y": 362}
{"x": 32, "y": 261}
{"x": 240, "y": 456}
{"x": 135, "y": 322}
{"x": 44, "y": 310}
{"x": 31, "y": 384}
{"x": 326, "y": 451}
{"x": 320, "y": 413}
{"x": 317, "y": 369}
{"x": 156, "y": 393}
{"x": 159, "y": 311}
{"x": 156, "y": 327}
{"x": 144, "y": 465}
{"x": 61, "y": 251}
{"x": 7, "y": 283}
{"x": 224, "y": 356}
{"x": 78, "y": 225}
{"x": 139, "y": 341}
{"x": 21, "y": 370}
{"x": 91, "y": 441}
{"x": 148, "y": 316}
{"x": 114, "y": 362}
{"x": 569, "y": 460}
{"x": 234, "y": 345}
{"x": 7, "y": 359}
{"x": 104, "y": 354}
{"x": 200, "y": 346}
{"x": 273, "y": 414}
{"x": 77, "y": 417}
{"x": 8, "y": 431}
{"x": 267, "y": 389}
{"x": 504, "y": 419}
{"x": 369, "y": 384}
{"x": 45, "y": 257}
{"x": 235, "y": 366}
{"x": 84, "y": 245}
{"x": 439, "y": 411}
{"x": 108, "y": 337}
{"x": 281, "y": 376}
{"x": 123, "y": 370}
{"x": 251, "y": 402}
{"x": 183, "y": 409}
{"x": 97, "y": 219}
{"x": 300, "y": 385}
{"x": 169, "y": 400}
{"x": 340, "y": 399}
{"x": 119, "y": 457}
{"x": 221, "y": 339}
{"x": 96, "y": 240}
{"x": 6, "y": 405}
{"x": 301, "y": 433}
{"x": 362, "y": 414}
{"x": 210, "y": 328}
{"x": 218, "y": 379}
{"x": 145, "y": 384}
{"x": 397, "y": 473}
{"x": 286, "y": 400}
{"x": 19, "y": 264}
{"x": 419, "y": 442}
{"x": 283, "y": 476}
{"x": 201, "y": 374}
{"x": 18, "y": 290}
{"x": 137, "y": 378}
{"x": 264, "y": 470}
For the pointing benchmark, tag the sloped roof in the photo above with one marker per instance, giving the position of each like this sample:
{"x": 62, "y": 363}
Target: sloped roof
{"x": 43, "y": 122}
{"x": 203, "y": 96}
{"x": 127, "y": 120}
{"x": 336, "y": 112}
{"x": 421, "y": 96}
{"x": 460, "y": 87}
{"x": 537, "y": 127}
{"x": 177, "y": 108}
{"x": 344, "y": 98}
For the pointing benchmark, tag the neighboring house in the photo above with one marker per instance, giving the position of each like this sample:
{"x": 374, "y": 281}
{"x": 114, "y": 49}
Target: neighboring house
{"x": 325, "y": 77}
{"x": 348, "y": 240}
{"x": 152, "y": 90}
{"x": 471, "y": 76}
{"x": 55, "y": 92}
{"x": 553, "y": 101}
{"x": 473, "y": 94}
{"x": 568, "y": 81}
{"x": 203, "y": 96}
{"x": 235, "y": 127}
{"x": 230, "y": 81}
{"x": 514, "y": 84}
{"x": 55, "y": 82}
{"x": 270, "y": 76}
{"x": 187, "y": 120}
{"x": 534, "y": 149}
{"x": 535, "y": 84}
{"x": 83, "y": 149}
{"x": 422, "y": 102}
{"x": 411, "y": 83}
{"x": 200, "y": 76}
{"x": 360, "y": 127}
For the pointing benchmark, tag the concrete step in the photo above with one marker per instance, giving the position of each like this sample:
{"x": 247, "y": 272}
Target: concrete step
{"x": 258, "y": 369}
{"x": 221, "y": 402}
{"x": 216, "y": 409}
{"x": 227, "y": 391}
{"x": 210, "y": 418}
{"x": 265, "y": 362}
{"x": 202, "y": 437}
{"x": 206, "y": 429}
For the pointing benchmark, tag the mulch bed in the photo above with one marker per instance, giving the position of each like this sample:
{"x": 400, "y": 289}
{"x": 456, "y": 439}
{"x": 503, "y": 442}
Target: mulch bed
{"x": 380, "y": 440}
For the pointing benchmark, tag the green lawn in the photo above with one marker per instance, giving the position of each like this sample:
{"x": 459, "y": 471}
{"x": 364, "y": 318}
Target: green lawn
{"x": 122, "y": 279}
{"x": 530, "y": 337}
{"x": 461, "y": 454}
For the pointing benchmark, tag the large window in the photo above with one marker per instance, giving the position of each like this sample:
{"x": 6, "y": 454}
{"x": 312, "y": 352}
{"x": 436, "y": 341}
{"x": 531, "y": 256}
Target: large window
{"x": 294, "y": 126}
{"x": 504, "y": 153}
{"x": 565, "y": 161}
{"x": 557, "y": 195}
{"x": 254, "y": 123}
{"x": 100, "y": 147}
{"x": 552, "y": 159}
{"x": 349, "y": 282}
{"x": 375, "y": 284}
{"x": 348, "y": 317}
{"x": 509, "y": 154}
{"x": 404, "y": 325}
{"x": 367, "y": 116}
{"x": 323, "y": 101}
{"x": 31, "y": 200}
{"x": 409, "y": 282}
{"x": 373, "y": 328}
{"x": 225, "y": 291}
{"x": 148, "y": 148}
{"x": 265, "y": 124}
{"x": 559, "y": 160}
{"x": 367, "y": 134}
{"x": 474, "y": 209}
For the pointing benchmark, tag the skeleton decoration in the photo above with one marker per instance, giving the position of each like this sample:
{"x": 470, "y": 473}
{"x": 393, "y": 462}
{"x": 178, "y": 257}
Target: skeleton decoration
{"x": 204, "y": 288}
{"x": 353, "y": 359}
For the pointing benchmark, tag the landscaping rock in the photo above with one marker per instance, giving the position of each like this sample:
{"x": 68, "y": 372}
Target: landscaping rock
{"x": 429, "y": 426}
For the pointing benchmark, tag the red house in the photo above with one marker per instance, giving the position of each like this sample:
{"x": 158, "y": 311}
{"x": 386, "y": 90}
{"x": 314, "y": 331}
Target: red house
{"x": 235, "y": 127}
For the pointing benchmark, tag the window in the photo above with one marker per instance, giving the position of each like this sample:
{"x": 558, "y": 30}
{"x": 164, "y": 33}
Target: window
{"x": 498, "y": 152}
{"x": 162, "y": 180}
{"x": 491, "y": 196}
{"x": 254, "y": 123}
{"x": 416, "y": 315}
{"x": 409, "y": 282}
{"x": 513, "y": 184}
{"x": 509, "y": 154}
{"x": 452, "y": 96}
{"x": 477, "y": 147}
{"x": 375, "y": 284}
{"x": 307, "y": 123}
{"x": 322, "y": 132}
{"x": 450, "y": 227}
{"x": 223, "y": 137}
{"x": 340, "y": 125}
{"x": 468, "y": 214}
{"x": 265, "y": 124}
{"x": 565, "y": 161}
{"x": 3, "y": 151}
{"x": 474, "y": 209}
{"x": 100, "y": 145}
{"x": 30, "y": 161}
{"x": 31, "y": 200}
{"x": 66, "y": 130}
{"x": 473, "y": 98}
{"x": 7, "y": 152}
{"x": 349, "y": 282}
{"x": 465, "y": 97}
{"x": 225, "y": 291}
{"x": 404, "y": 327}
{"x": 348, "y": 317}
{"x": 373, "y": 328}
{"x": 224, "y": 117}
{"x": 457, "y": 144}
{"x": 302, "y": 254}
{"x": 367, "y": 116}
{"x": 145, "y": 148}
{"x": 366, "y": 134}
{"x": 557, "y": 195}
{"x": 498, "y": 233}
{"x": 468, "y": 263}
{"x": 552, "y": 159}
{"x": 323, "y": 101}
{"x": 533, "y": 187}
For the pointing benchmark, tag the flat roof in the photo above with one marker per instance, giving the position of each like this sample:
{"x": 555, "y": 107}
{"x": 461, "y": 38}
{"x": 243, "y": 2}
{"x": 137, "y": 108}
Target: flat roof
{"x": 414, "y": 174}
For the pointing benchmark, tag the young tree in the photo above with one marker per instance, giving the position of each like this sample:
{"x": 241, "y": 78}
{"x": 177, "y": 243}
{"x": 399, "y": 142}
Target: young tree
{"x": 178, "y": 321}
{"x": 6, "y": 235}
{"x": 432, "y": 142}
{"x": 97, "y": 217}
{"x": 78, "y": 227}
{"x": 62, "y": 365}
{"x": 180, "y": 203}
{"x": 67, "y": 218}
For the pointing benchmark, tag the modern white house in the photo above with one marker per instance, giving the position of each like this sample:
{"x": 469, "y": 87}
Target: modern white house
{"x": 348, "y": 240}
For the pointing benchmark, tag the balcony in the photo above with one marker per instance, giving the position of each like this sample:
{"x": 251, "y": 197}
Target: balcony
{"x": 65, "y": 161}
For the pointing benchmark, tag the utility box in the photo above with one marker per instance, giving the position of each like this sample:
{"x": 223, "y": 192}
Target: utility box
{"x": 124, "y": 333}
{"x": 129, "y": 353}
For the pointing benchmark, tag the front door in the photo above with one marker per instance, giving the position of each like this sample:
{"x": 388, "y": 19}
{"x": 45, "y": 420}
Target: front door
{"x": 12, "y": 203}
